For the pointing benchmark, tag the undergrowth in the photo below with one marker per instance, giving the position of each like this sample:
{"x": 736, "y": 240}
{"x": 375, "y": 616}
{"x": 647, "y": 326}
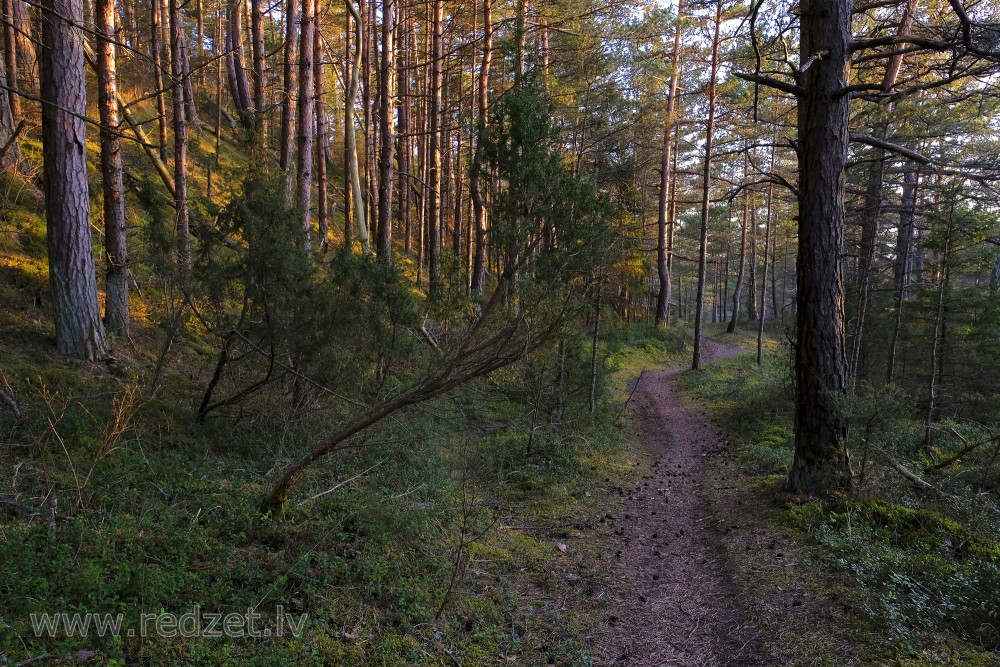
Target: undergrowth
{"x": 890, "y": 575}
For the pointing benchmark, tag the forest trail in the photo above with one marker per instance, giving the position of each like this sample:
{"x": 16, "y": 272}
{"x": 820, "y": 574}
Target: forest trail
{"x": 670, "y": 602}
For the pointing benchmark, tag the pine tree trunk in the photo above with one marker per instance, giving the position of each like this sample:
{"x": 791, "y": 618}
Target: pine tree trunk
{"x": 434, "y": 156}
{"x": 10, "y": 59}
{"x": 478, "y": 202}
{"x": 155, "y": 47}
{"x": 322, "y": 135}
{"x": 306, "y": 120}
{"x": 663, "y": 264}
{"x": 706, "y": 189}
{"x": 79, "y": 330}
{"x": 288, "y": 86}
{"x": 116, "y": 313}
{"x": 180, "y": 142}
{"x": 821, "y": 463}
{"x": 259, "y": 68}
{"x": 352, "y": 146}
{"x": 741, "y": 270}
{"x": 387, "y": 140}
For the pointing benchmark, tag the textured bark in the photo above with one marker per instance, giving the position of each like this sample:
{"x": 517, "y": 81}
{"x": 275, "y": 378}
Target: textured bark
{"x": 306, "y": 120}
{"x": 155, "y": 47}
{"x": 288, "y": 86}
{"x": 79, "y": 330}
{"x": 348, "y": 130}
{"x": 821, "y": 464}
{"x": 478, "y": 202}
{"x": 663, "y": 264}
{"x": 387, "y": 142}
{"x": 116, "y": 313}
{"x": 433, "y": 204}
{"x": 706, "y": 189}
{"x": 180, "y": 143}
{"x": 351, "y": 134}
{"x": 10, "y": 60}
{"x": 8, "y": 151}
{"x": 239, "y": 85}
{"x": 403, "y": 149}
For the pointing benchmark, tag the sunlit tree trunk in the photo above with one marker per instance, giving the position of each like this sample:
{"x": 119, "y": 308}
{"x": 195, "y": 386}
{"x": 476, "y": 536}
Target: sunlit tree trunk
{"x": 663, "y": 263}
{"x": 180, "y": 142}
{"x": 288, "y": 87}
{"x": 387, "y": 140}
{"x": 352, "y": 147}
{"x": 433, "y": 215}
{"x": 475, "y": 183}
{"x": 116, "y": 313}
{"x": 706, "y": 189}
{"x": 79, "y": 330}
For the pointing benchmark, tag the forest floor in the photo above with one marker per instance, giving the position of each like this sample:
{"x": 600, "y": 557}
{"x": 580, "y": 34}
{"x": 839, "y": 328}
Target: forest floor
{"x": 670, "y": 600}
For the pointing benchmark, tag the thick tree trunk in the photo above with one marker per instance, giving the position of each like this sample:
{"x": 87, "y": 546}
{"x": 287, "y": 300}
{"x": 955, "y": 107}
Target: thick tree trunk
{"x": 663, "y": 264}
{"x": 116, "y": 313}
{"x": 79, "y": 330}
{"x": 706, "y": 189}
{"x": 387, "y": 141}
{"x": 306, "y": 120}
{"x": 478, "y": 202}
{"x": 821, "y": 463}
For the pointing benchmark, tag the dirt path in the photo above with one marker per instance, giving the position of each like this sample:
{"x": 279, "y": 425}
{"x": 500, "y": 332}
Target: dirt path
{"x": 669, "y": 600}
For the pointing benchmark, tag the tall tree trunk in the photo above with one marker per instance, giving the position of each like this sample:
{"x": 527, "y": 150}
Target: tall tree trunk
{"x": 937, "y": 343}
{"x": 306, "y": 120}
{"x": 322, "y": 134}
{"x": 348, "y": 130}
{"x": 821, "y": 463}
{"x": 236, "y": 62}
{"x": 155, "y": 47}
{"x": 706, "y": 189}
{"x": 10, "y": 59}
{"x": 403, "y": 139}
{"x": 475, "y": 184}
{"x": 387, "y": 85}
{"x": 180, "y": 142}
{"x": 663, "y": 264}
{"x": 767, "y": 257}
{"x": 904, "y": 242}
{"x": 79, "y": 330}
{"x": 116, "y": 313}
{"x": 434, "y": 153}
{"x": 741, "y": 270}
{"x": 258, "y": 53}
{"x": 9, "y": 157}
{"x": 872, "y": 210}
{"x": 288, "y": 86}
{"x": 352, "y": 146}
